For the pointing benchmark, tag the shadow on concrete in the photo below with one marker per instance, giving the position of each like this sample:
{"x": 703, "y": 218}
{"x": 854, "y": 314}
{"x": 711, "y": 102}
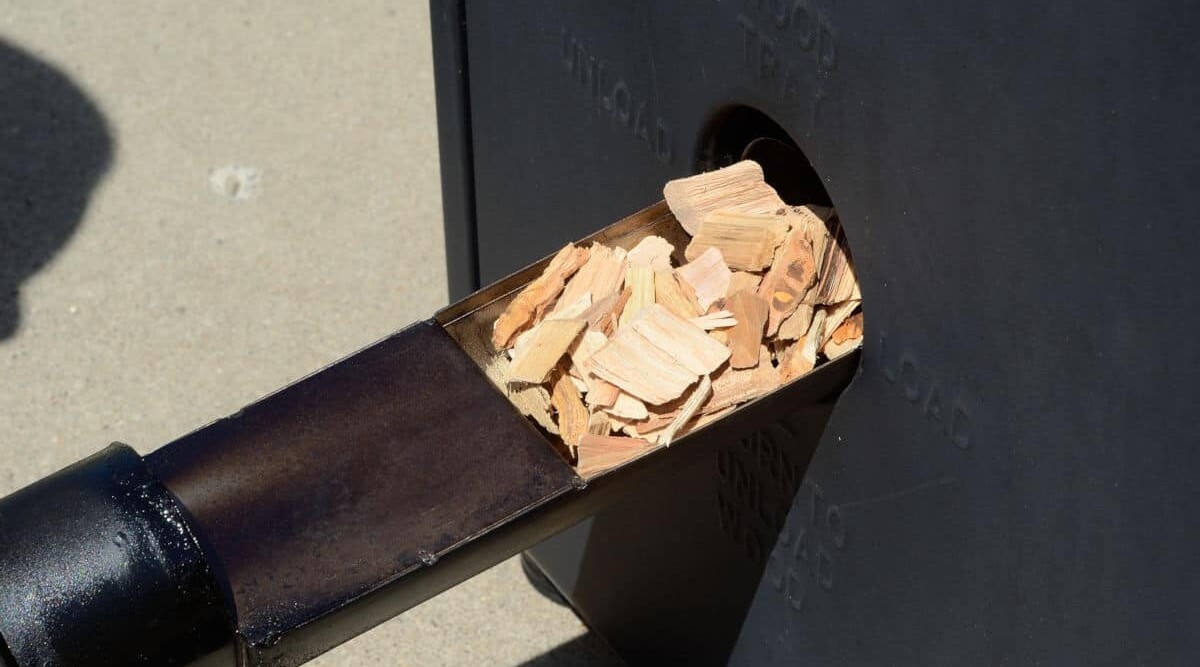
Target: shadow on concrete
{"x": 54, "y": 147}
{"x": 586, "y": 650}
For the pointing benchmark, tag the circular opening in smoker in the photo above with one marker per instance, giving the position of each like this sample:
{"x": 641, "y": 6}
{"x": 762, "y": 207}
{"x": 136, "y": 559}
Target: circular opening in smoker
{"x": 742, "y": 132}
{"x": 746, "y": 133}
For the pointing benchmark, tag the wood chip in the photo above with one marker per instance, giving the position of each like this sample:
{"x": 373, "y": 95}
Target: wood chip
{"x": 707, "y": 418}
{"x": 572, "y": 414}
{"x": 791, "y": 276}
{"x": 549, "y": 342}
{"x": 603, "y": 315}
{"x": 733, "y": 387}
{"x": 653, "y": 252}
{"x": 721, "y": 319}
{"x": 534, "y": 298}
{"x": 600, "y": 394}
{"x": 746, "y": 241}
{"x": 627, "y": 407}
{"x": 708, "y": 276}
{"x": 573, "y": 311}
{"x": 580, "y": 385}
{"x": 639, "y": 280}
{"x": 600, "y": 453}
{"x": 743, "y": 280}
{"x": 838, "y": 282}
{"x": 640, "y": 368}
{"x": 812, "y": 224}
{"x": 746, "y": 336}
{"x": 837, "y": 314}
{"x": 607, "y": 341}
{"x": 601, "y": 276}
{"x": 701, "y": 394}
{"x": 801, "y": 357}
{"x": 623, "y": 426}
{"x": 682, "y": 340}
{"x": 531, "y": 400}
{"x": 834, "y": 350}
{"x": 599, "y": 424}
{"x": 675, "y": 295}
{"x": 583, "y": 349}
{"x": 851, "y": 328}
{"x": 739, "y": 187}
{"x": 796, "y": 325}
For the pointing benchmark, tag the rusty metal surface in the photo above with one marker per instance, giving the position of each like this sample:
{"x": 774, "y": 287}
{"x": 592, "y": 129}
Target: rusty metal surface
{"x": 325, "y": 492}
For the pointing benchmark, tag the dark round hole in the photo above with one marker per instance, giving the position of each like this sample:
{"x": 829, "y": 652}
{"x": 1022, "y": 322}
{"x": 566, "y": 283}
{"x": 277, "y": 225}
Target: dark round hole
{"x": 743, "y": 132}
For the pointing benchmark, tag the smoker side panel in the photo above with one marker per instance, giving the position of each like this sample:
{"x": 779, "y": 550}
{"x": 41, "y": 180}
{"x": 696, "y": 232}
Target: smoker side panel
{"x": 1010, "y": 478}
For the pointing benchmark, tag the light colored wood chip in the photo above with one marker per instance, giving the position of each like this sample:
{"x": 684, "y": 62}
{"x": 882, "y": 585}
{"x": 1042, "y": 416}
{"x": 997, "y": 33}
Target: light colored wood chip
{"x": 600, "y": 394}
{"x": 837, "y": 283}
{"x": 521, "y": 343}
{"x": 701, "y": 394}
{"x": 675, "y": 295}
{"x": 603, "y": 315}
{"x": 584, "y": 348}
{"x": 580, "y": 385}
{"x": 653, "y": 252}
{"x": 796, "y": 325}
{"x": 608, "y": 341}
{"x": 530, "y": 400}
{"x": 732, "y": 387}
{"x": 746, "y": 241}
{"x": 573, "y": 311}
{"x": 531, "y": 303}
{"x": 743, "y": 280}
{"x": 600, "y": 453}
{"x": 639, "y": 280}
{"x": 550, "y": 341}
{"x": 656, "y": 422}
{"x": 627, "y": 407}
{"x": 708, "y": 276}
{"x": 837, "y": 315}
{"x": 739, "y": 187}
{"x": 601, "y": 276}
{"x": 791, "y": 276}
{"x": 534, "y": 401}
{"x": 746, "y": 336}
{"x": 599, "y": 424}
{"x": 834, "y": 350}
{"x": 706, "y": 418}
{"x": 623, "y": 426}
{"x": 812, "y": 223}
{"x": 801, "y": 357}
{"x": 640, "y": 368}
{"x": 572, "y": 413}
{"x": 721, "y": 319}
{"x": 682, "y": 340}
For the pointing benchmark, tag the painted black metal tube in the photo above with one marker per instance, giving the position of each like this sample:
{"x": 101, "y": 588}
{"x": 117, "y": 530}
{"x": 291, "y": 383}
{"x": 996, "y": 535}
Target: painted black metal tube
{"x": 99, "y": 567}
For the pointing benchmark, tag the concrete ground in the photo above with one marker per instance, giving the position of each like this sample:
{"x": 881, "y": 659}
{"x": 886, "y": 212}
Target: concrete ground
{"x": 204, "y": 201}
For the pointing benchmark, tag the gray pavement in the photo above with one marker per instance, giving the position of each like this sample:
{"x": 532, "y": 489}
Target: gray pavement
{"x": 204, "y": 201}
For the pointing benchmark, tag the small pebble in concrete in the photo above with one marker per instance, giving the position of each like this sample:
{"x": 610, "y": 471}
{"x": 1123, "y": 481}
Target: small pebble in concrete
{"x": 238, "y": 183}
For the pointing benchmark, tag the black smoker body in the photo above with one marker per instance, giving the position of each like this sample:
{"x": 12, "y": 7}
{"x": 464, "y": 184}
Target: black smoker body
{"x": 1011, "y": 478}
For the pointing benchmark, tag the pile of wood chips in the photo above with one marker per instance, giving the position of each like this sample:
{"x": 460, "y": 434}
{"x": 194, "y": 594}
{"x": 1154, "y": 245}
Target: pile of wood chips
{"x": 618, "y": 352}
